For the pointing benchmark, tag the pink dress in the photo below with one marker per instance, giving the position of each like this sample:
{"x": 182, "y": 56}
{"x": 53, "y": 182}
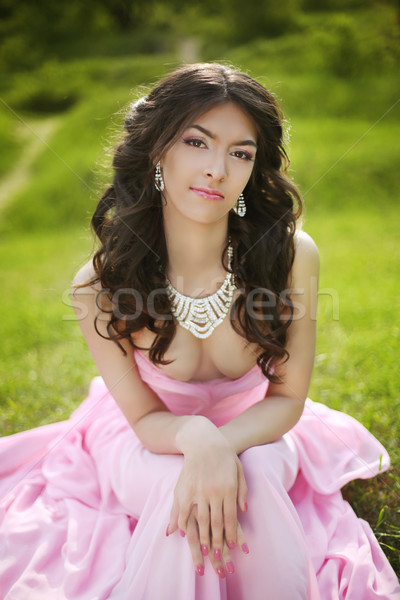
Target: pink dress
{"x": 84, "y": 506}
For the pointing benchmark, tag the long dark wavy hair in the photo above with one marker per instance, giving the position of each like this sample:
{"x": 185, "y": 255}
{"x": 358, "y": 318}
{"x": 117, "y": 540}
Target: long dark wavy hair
{"x": 128, "y": 222}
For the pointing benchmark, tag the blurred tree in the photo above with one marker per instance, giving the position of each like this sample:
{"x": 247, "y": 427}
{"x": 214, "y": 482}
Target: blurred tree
{"x": 334, "y": 4}
{"x": 261, "y": 18}
{"x": 348, "y": 5}
{"x": 34, "y": 31}
{"x": 126, "y": 14}
{"x": 30, "y": 30}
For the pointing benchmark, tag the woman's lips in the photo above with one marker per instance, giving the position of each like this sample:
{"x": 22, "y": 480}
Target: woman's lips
{"x": 208, "y": 193}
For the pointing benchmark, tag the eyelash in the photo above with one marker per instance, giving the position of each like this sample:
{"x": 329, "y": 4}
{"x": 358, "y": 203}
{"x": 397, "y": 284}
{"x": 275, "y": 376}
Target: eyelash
{"x": 246, "y": 155}
{"x": 193, "y": 141}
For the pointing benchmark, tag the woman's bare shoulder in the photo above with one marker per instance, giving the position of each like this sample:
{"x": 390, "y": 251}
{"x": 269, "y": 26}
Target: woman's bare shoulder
{"x": 306, "y": 261}
{"x": 85, "y": 274}
{"x": 304, "y": 244}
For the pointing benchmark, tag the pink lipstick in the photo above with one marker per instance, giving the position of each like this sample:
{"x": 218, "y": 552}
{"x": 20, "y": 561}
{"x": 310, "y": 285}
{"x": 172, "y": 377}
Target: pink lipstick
{"x": 208, "y": 193}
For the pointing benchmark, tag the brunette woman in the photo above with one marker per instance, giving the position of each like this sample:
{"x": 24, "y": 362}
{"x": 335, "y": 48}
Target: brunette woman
{"x": 197, "y": 468}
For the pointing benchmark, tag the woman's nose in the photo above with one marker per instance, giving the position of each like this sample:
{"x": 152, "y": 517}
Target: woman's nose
{"x": 216, "y": 169}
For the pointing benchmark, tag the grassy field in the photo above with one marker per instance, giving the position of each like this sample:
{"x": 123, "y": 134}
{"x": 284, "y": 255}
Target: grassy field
{"x": 344, "y": 154}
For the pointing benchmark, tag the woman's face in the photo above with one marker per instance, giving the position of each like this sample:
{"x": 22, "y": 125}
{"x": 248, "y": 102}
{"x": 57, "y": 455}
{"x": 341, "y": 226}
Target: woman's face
{"x": 210, "y": 164}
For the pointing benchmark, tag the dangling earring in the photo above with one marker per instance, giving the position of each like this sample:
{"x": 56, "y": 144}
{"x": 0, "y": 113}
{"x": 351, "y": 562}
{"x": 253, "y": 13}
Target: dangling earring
{"x": 159, "y": 181}
{"x": 240, "y": 206}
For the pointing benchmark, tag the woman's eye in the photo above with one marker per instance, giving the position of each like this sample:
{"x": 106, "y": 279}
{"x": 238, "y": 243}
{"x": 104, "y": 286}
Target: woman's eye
{"x": 195, "y": 142}
{"x": 242, "y": 154}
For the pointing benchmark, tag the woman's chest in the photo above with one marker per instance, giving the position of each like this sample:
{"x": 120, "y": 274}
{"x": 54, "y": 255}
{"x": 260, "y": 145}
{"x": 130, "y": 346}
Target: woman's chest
{"x": 223, "y": 354}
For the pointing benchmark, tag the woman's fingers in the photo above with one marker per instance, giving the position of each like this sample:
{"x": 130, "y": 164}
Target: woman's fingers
{"x": 193, "y": 539}
{"x": 227, "y": 559}
{"x": 219, "y": 559}
{"x": 223, "y": 565}
{"x": 181, "y": 508}
{"x": 230, "y": 520}
{"x": 203, "y": 523}
{"x": 219, "y": 552}
{"x": 184, "y": 512}
{"x": 224, "y": 536}
{"x": 217, "y": 528}
{"x": 180, "y": 511}
{"x": 173, "y": 517}
{"x": 242, "y": 487}
{"x": 241, "y": 540}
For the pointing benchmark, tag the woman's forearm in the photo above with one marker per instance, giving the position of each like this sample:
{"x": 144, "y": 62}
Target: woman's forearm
{"x": 162, "y": 432}
{"x": 263, "y": 422}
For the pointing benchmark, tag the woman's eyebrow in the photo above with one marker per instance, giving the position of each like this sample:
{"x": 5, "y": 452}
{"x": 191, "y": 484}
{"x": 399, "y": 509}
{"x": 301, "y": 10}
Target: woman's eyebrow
{"x": 212, "y": 136}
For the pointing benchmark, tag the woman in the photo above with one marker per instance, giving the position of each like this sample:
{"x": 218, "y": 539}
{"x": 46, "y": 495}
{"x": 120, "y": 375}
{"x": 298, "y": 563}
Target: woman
{"x": 199, "y": 311}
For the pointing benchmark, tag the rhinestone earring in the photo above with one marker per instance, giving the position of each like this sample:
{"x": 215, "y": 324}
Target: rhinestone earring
{"x": 240, "y": 206}
{"x": 159, "y": 181}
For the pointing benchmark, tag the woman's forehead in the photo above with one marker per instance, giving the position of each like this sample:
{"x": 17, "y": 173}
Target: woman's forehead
{"x": 227, "y": 118}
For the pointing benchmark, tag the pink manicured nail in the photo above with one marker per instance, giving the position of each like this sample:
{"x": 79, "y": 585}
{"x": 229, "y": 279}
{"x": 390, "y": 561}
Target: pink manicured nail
{"x": 217, "y": 554}
{"x": 230, "y": 568}
{"x": 245, "y": 548}
{"x": 166, "y": 533}
{"x": 204, "y": 550}
{"x": 182, "y": 533}
{"x": 200, "y": 570}
{"x": 245, "y": 507}
{"x": 231, "y": 545}
{"x": 221, "y": 573}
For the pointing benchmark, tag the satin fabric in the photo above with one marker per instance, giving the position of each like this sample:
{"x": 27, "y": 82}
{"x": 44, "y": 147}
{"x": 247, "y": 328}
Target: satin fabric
{"x": 84, "y": 506}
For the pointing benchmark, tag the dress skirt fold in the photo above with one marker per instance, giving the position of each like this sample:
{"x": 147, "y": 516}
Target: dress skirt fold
{"x": 84, "y": 506}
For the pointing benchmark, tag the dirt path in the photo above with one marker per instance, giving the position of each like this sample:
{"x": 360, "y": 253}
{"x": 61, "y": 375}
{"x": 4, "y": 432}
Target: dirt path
{"x": 34, "y": 136}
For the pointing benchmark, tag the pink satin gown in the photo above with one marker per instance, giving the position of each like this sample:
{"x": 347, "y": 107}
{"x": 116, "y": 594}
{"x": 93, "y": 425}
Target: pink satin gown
{"x": 84, "y": 506}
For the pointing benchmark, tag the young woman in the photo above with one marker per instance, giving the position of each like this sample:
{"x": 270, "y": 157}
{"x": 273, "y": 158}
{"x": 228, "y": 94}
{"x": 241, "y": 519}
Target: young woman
{"x": 196, "y": 468}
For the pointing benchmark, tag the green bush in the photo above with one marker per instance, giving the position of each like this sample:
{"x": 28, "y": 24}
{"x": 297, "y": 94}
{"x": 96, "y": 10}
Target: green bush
{"x": 343, "y": 45}
{"x": 56, "y": 86}
{"x": 332, "y": 5}
{"x": 349, "y": 50}
{"x": 256, "y": 18}
{"x": 46, "y": 89}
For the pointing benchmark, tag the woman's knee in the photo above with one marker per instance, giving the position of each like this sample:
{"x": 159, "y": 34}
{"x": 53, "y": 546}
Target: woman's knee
{"x": 140, "y": 473}
{"x": 278, "y": 461}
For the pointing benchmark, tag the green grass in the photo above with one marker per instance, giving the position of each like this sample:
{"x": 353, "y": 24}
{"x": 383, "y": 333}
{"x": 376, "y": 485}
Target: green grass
{"x": 64, "y": 186}
{"x": 344, "y": 157}
{"x": 356, "y": 368}
{"x": 45, "y": 367}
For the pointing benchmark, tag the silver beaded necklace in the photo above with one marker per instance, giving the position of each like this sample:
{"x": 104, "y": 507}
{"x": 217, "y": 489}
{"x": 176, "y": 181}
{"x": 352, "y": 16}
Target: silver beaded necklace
{"x": 201, "y": 316}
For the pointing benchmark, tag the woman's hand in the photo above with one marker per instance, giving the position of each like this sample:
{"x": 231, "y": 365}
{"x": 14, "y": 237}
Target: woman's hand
{"x": 222, "y": 564}
{"x": 212, "y": 480}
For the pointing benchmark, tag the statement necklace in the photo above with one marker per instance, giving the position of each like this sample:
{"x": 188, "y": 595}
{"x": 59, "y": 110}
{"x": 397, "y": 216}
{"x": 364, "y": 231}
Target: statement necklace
{"x": 201, "y": 316}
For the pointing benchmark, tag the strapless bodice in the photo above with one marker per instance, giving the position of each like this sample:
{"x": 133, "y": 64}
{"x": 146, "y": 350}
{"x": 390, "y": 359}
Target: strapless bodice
{"x": 218, "y": 399}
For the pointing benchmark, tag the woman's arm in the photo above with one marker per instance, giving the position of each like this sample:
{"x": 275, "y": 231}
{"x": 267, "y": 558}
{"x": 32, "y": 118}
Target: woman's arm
{"x": 157, "y": 428}
{"x": 283, "y": 405}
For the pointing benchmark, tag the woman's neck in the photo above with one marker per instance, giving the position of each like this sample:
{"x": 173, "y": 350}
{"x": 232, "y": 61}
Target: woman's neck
{"x": 194, "y": 255}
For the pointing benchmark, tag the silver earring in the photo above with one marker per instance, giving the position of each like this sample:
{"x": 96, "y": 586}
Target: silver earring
{"x": 230, "y": 254}
{"x": 159, "y": 181}
{"x": 240, "y": 206}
